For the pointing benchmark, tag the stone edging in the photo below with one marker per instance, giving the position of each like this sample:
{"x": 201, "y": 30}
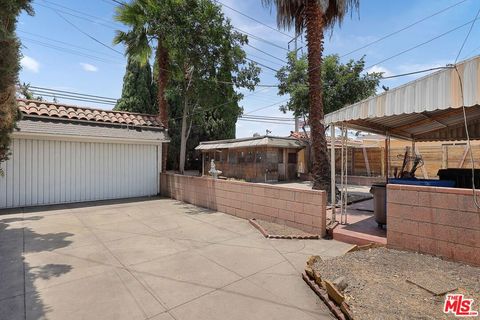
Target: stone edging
{"x": 262, "y": 230}
{"x": 322, "y": 293}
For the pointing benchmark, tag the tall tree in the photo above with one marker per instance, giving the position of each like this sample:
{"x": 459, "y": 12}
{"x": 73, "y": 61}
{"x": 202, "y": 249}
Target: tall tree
{"x": 209, "y": 64}
{"x": 149, "y": 23}
{"x": 314, "y": 16}
{"x": 343, "y": 84}
{"x": 137, "y": 91}
{"x": 9, "y": 67}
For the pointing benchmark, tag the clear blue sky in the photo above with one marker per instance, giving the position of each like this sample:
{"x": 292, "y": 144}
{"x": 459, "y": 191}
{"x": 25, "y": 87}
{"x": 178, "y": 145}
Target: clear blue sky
{"x": 82, "y": 65}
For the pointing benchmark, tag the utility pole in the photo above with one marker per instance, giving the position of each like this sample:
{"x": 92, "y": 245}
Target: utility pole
{"x": 296, "y": 57}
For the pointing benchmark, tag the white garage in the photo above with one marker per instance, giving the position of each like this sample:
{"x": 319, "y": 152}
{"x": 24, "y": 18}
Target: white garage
{"x": 64, "y": 154}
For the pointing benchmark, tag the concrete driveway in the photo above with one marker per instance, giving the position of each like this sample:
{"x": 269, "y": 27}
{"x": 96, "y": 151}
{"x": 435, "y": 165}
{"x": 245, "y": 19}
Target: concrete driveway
{"x": 151, "y": 259}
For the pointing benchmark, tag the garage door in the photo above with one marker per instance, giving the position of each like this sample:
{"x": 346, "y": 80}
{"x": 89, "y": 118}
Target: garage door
{"x": 42, "y": 172}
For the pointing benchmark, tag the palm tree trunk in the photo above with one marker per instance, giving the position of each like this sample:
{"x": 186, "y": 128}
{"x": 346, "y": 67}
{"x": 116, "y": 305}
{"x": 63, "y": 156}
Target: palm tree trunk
{"x": 315, "y": 26}
{"x": 162, "y": 62}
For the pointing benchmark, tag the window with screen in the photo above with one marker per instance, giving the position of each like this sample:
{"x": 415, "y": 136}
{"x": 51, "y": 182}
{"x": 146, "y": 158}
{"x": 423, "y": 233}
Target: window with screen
{"x": 232, "y": 157}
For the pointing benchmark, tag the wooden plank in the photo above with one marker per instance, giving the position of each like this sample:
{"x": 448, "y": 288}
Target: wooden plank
{"x": 464, "y": 156}
{"x": 334, "y": 293}
{"x": 367, "y": 164}
{"x": 383, "y": 159}
{"x": 444, "y": 156}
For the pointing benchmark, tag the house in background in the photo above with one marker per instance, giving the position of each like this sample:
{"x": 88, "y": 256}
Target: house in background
{"x": 255, "y": 159}
{"x": 64, "y": 154}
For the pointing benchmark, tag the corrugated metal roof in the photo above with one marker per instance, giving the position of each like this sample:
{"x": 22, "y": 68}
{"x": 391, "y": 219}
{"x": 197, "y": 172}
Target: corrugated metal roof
{"x": 263, "y": 141}
{"x": 425, "y": 109}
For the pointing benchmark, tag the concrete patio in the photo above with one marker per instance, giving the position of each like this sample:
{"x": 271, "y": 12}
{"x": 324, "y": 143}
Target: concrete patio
{"x": 151, "y": 259}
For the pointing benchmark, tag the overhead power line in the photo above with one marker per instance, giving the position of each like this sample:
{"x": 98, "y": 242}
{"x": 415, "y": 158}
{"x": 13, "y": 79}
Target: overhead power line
{"x": 55, "y": 95}
{"x": 118, "y": 2}
{"x": 79, "y": 16}
{"x": 423, "y": 43}
{"x": 267, "y": 118}
{"x": 251, "y": 35}
{"x": 266, "y": 53}
{"x": 85, "y": 33}
{"x": 63, "y": 42}
{"x": 414, "y": 72}
{"x": 77, "y": 96}
{"x": 261, "y": 121}
{"x": 263, "y": 65}
{"x": 72, "y": 93}
{"x": 72, "y": 98}
{"x": 266, "y": 107}
{"x": 264, "y": 59}
{"x": 58, "y": 12}
{"x": 81, "y": 12}
{"x": 467, "y": 36}
{"x": 403, "y": 29}
{"x": 69, "y": 51}
{"x": 251, "y": 18}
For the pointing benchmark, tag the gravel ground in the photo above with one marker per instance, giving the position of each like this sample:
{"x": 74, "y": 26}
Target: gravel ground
{"x": 281, "y": 230}
{"x": 377, "y": 286}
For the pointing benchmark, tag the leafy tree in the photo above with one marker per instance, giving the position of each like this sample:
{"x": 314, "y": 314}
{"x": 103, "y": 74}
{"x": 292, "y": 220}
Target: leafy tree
{"x": 138, "y": 92}
{"x": 314, "y": 16}
{"x": 209, "y": 65}
{"x": 9, "y": 67}
{"x": 199, "y": 54}
{"x": 343, "y": 84}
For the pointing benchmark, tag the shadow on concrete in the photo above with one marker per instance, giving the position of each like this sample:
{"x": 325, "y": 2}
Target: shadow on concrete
{"x": 76, "y": 205}
{"x": 17, "y": 301}
{"x": 191, "y": 209}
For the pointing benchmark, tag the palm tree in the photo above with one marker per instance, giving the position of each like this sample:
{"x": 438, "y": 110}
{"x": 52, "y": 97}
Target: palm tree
{"x": 314, "y": 16}
{"x": 149, "y": 22}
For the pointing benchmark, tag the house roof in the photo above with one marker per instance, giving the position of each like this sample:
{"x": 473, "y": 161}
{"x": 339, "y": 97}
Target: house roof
{"x": 261, "y": 141}
{"x": 427, "y": 109}
{"x": 59, "y": 111}
{"x": 84, "y": 131}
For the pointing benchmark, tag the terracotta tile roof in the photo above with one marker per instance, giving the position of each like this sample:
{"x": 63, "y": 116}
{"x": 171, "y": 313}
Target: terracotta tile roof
{"x": 48, "y": 109}
{"x": 299, "y": 135}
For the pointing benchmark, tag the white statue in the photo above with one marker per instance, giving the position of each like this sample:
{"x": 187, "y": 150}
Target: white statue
{"x": 214, "y": 172}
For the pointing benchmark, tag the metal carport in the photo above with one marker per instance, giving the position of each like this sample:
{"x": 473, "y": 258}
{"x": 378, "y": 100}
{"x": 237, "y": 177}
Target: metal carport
{"x": 432, "y": 108}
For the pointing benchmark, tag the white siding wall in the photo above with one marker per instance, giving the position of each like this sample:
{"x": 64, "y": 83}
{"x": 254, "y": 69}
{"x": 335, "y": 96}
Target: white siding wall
{"x": 42, "y": 172}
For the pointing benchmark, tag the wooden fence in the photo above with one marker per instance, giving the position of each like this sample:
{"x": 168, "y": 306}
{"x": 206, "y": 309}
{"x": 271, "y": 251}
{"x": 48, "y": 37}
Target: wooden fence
{"x": 371, "y": 161}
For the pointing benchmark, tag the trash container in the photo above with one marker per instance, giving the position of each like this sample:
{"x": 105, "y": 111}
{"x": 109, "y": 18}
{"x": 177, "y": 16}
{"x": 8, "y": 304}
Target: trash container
{"x": 379, "y": 192}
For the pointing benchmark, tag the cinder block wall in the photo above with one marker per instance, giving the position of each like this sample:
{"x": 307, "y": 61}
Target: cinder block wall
{"x": 302, "y": 209}
{"x": 438, "y": 221}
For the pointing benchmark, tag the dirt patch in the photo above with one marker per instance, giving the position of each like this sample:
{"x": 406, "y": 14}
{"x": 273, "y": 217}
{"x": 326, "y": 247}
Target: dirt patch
{"x": 390, "y": 284}
{"x": 272, "y": 228}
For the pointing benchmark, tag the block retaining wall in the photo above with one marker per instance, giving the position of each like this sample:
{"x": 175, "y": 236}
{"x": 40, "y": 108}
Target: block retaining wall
{"x": 439, "y": 221}
{"x": 302, "y": 209}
